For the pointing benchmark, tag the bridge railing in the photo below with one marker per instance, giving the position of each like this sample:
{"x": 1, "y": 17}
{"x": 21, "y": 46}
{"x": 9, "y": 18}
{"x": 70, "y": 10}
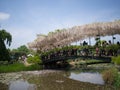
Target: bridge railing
{"x": 65, "y": 55}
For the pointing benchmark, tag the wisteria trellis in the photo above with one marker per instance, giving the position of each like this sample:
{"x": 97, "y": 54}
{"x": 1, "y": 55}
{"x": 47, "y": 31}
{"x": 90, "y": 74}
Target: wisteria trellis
{"x": 67, "y": 36}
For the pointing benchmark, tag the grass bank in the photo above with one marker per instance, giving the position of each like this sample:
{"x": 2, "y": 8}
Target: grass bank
{"x": 111, "y": 76}
{"x": 16, "y": 67}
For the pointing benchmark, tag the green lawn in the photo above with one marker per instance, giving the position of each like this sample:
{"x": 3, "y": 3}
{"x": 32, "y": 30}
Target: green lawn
{"x": 18, "y": 67}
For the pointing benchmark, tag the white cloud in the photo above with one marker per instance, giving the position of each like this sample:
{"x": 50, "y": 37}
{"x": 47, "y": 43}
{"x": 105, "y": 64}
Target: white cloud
{"x": 4, "y": 16}
{"x": 21, "y": 36}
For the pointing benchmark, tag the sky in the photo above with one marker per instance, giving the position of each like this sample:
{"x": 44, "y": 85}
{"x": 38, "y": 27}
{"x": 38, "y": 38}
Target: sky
{"x": 24, "y": 19}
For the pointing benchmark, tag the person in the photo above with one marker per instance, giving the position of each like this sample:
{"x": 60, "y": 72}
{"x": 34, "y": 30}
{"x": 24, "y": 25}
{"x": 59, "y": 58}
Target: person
{"x": 85, "y": 43}
{"x": 97, "y": 50}
{"x": 110, "y": 42}
{"x": 24, "y": 58}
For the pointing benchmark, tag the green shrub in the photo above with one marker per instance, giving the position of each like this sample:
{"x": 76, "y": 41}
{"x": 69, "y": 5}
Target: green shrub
{"x": 35, "y": 59}
{"x": 116, "y": 60}
{"x": 114, "y": 47}
{"x": 117, "y": 81}
{"x": 110, "y": 75}
{"x": 94, "y": 61}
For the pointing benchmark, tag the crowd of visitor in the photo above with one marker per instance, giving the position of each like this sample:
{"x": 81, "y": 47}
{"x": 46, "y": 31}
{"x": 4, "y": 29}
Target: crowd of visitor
{"x": 96, "y": 51}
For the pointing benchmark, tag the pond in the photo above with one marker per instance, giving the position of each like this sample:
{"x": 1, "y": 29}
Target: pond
{"x": 54, "y": 80}
{"x": 95, "y": 78}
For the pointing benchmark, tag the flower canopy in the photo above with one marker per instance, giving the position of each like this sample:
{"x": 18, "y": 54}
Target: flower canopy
{"x": 67, "y": 36}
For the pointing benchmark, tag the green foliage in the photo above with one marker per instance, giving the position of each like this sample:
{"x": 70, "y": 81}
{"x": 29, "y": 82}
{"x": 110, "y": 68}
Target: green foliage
{"x": 116, "y": 60}
{"x": 60, "y": 49}
{"x": 15, "y": 55}
{"x": 110, "y": 75}
{"x": 4, "y": 37}
{"x": 98, "y": 41}
{"x": 117, "y": 81}
{"x": 56, "y": 31}
{"x": 94, "y": 61}
{"x": 92, "y": 49}
{"x": 35, "y": 59}
{"x": 23, "y": 48}
{"x": 113, "y": 47}
{"x": 18, "y": 67}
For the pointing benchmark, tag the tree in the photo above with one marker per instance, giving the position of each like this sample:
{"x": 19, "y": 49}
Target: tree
{"x": 23, "y": 48}
{"x": 20, "y": 51}
{"x": 5, "y": 39}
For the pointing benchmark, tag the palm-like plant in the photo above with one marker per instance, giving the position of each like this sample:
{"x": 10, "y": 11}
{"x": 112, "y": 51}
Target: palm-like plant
{"x": 5, "y": 37}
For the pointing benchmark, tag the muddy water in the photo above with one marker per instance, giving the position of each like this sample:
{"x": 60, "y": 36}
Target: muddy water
{"x": 53, "y": 80}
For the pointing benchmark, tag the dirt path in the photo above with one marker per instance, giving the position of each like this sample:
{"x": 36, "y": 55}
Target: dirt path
{"x": 26, "y": 63}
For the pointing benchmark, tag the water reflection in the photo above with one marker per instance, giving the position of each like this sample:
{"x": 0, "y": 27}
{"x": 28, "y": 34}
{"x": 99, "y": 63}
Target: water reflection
{"x": 95, "y": 78}
{"x": 21, "y": 85}
{"x": 3, "y": 86}
{"x": 63, "y": 80}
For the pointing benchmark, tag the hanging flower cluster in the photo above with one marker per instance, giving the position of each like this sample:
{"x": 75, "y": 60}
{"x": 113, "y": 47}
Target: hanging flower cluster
{"x": 65, "y": 37}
